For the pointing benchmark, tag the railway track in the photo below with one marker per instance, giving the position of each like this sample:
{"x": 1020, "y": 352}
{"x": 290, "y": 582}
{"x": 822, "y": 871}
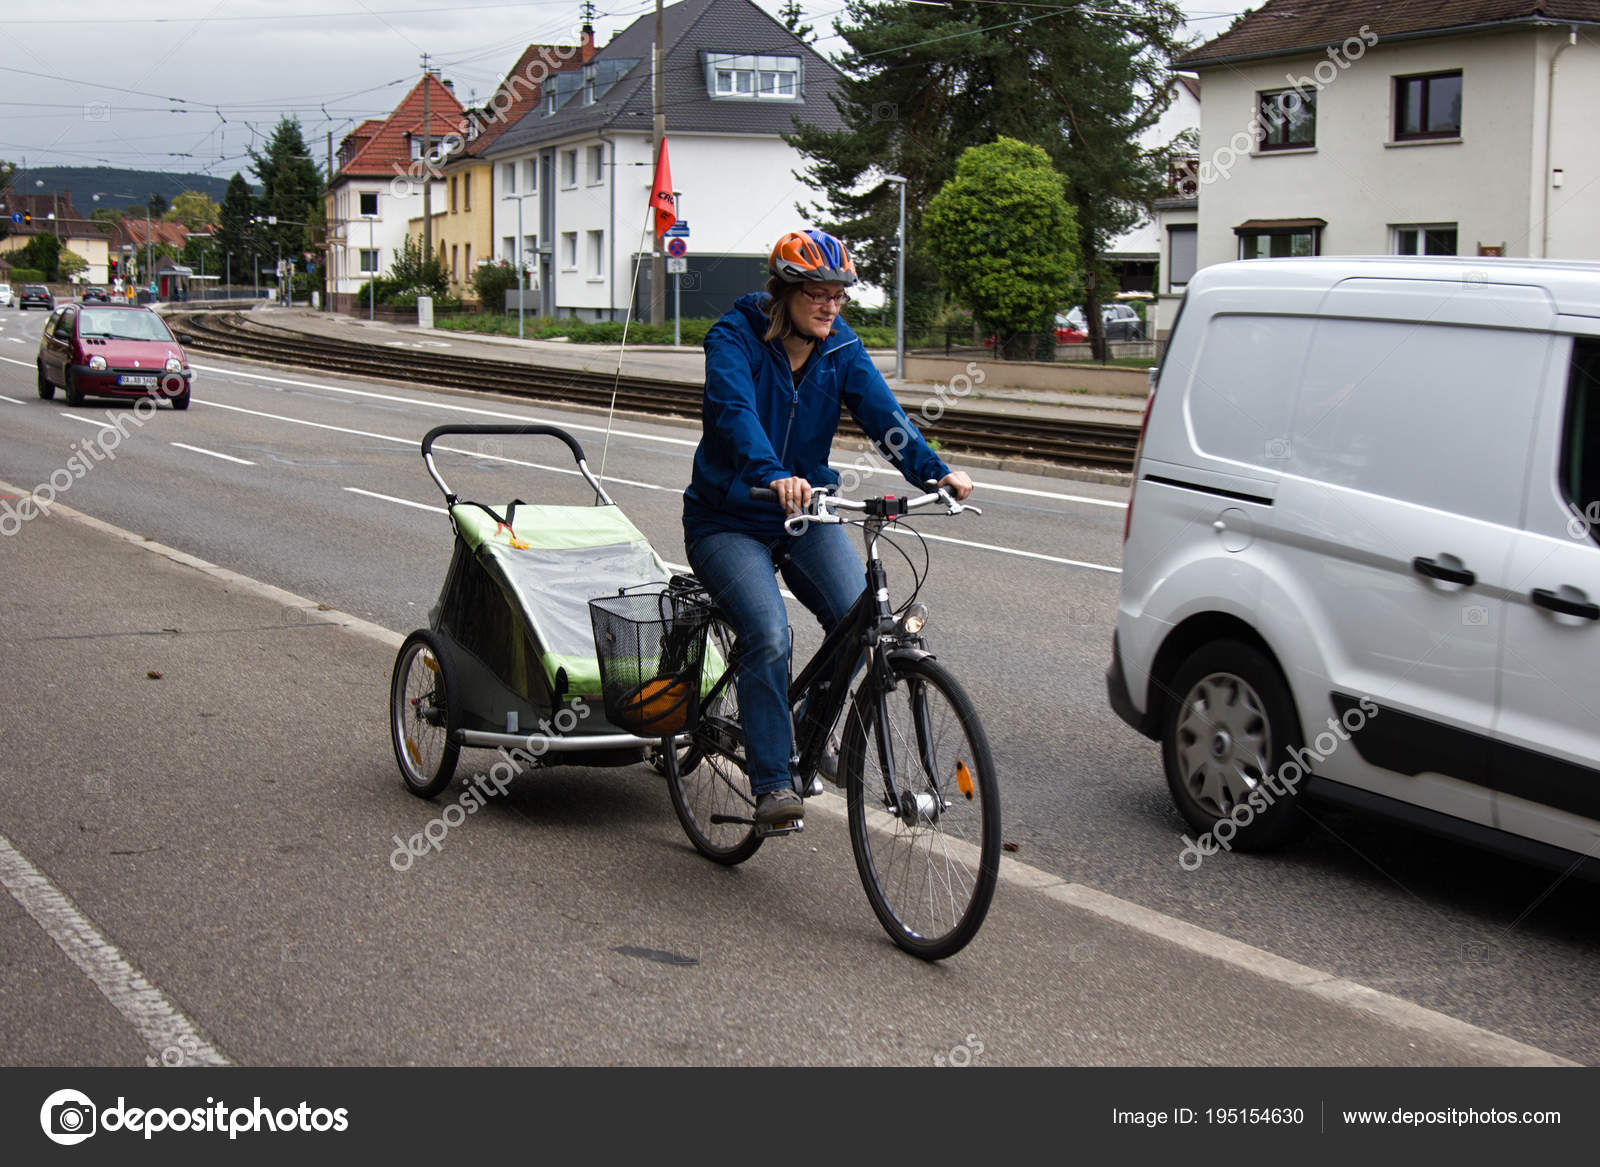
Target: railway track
{"x": 1099, "y": 445}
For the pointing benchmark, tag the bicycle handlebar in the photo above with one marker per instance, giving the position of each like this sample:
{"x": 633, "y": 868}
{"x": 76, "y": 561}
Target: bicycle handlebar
{"x": 824, "y": 504}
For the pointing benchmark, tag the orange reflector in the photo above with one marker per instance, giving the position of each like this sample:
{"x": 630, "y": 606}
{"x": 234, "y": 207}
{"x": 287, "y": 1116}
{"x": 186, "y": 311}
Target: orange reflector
{"x": 964, "y": 780}
{"x": 411, "y": 748}
{"x": 429, "y": 662}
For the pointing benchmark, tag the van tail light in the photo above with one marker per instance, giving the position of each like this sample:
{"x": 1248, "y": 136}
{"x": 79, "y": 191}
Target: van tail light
{"x": 1138, "y": 451}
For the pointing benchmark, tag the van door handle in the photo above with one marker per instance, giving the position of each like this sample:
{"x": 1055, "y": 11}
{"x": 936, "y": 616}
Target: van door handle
{"x": 1545, "y": 598}
{"x": 1435, "y": 570}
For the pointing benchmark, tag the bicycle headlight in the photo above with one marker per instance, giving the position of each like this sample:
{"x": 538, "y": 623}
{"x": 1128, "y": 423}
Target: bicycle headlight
{"x": 174, "y": 365}
{"x": 97, "y": 362}
{"x": 916, "y": 616}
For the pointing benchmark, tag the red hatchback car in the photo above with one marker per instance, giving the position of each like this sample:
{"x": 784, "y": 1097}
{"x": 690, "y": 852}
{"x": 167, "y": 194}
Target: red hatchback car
{"x": 112, "y": 350}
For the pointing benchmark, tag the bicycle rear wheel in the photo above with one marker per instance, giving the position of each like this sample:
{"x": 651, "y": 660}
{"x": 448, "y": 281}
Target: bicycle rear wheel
{"x": 924, "y": 809}
{"x": 710, "y": 776}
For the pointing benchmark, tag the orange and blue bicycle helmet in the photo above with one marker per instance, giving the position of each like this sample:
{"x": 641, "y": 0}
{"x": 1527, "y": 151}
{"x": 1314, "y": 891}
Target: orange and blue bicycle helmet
{"x": 814, "y": 256}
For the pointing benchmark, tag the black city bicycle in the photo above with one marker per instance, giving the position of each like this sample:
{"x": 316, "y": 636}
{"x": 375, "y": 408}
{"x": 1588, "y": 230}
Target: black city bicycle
{"x": 923, "y": 800}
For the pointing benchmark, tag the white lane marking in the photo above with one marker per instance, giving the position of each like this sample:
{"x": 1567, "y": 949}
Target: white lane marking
{"x": 405, "y": 502}
{"x": 595, "y": 429}
{"x": 24, "y": 364}
{"x": 321, "y": 425}
{"x": 144, "y": 1006}
{"x": 13, "y": 400}
{"x": 213, "y": 454}
{"x": 85, "y": 420}
{"x": 16, "y": 340}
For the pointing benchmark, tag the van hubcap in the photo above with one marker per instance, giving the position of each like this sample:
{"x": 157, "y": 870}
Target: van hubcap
{"x": 1224, "y": 741}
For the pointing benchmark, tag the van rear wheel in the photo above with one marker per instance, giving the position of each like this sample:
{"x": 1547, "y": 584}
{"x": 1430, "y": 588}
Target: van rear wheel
{"x": 1225, "y": 741}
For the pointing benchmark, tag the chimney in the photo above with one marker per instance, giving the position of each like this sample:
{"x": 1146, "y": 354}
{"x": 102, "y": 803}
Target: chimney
{"x": 586, "y": 44}
{"x": 448, "y": 84}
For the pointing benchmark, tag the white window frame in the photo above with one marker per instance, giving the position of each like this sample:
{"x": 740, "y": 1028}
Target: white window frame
{"x": 533, "y": 175}
{"x": 597, "y": 255}
{"x": 369, "y": 255}
{"x": 508, "y": 173}
{"x": 749, "y": 77}
{"x": 1422, "y": 230}
{"x": 596, "y": 156}
{"x": 361, "y": 202}
{"x": 569, "y": 251}
{"x": 569, "y": 169}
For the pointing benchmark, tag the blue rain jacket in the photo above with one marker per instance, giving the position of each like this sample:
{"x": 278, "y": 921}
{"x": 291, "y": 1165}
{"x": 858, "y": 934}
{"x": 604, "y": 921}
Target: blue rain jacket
{"x": 758, "y": 426}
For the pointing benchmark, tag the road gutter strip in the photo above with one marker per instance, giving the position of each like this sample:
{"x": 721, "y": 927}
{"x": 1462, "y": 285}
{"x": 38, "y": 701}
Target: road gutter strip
{"x": 1482, "y": 1043}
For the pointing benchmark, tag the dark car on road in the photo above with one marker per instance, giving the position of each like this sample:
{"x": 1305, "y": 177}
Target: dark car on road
{"x": 35, "y": 296}
{"x": 96, "y": 296}
{"x": 112, "y": 350}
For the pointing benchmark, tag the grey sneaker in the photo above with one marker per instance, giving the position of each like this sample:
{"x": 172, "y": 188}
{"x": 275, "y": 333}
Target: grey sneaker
{"x": 778, "y": 806}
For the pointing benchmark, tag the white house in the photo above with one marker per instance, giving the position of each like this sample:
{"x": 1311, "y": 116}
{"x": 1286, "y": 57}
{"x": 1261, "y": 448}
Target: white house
{"x": 377, "y": 187}
{"x": 579, "y": 166}
{"x": 1134, "y": 255}
{"x": 1451, "y": 128}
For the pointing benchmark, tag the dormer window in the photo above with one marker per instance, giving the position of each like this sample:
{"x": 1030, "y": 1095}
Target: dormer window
{"x": 747, "y": 77}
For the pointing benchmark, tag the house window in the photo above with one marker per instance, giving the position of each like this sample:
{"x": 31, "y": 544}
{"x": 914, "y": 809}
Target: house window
{"x": 1288, "y": 119}
{"x": 508, "y": 248}
{"x": 1182, "y": 254}
{"x": 1425, "y": 239}
{"x": 452, "y": 194}
{"x": 597, "y": 165}
{"x": 530, "y": 250}
{"x": 550, "y": 105}
{"x": 1427, "y": 106}
{"x": 569, "y": 168}
{"x": 776, "y": 84}
{"x": 1280, "y": 240}
{"x": 466, "y": 193}
{"x": 509, "y": 177}
{"x": 1580, "y": 439}
{"x": 734, "y": 82}
{"x": 569, "y": 251}
{"x": 588, "y": 91}
{"x": 753, "y": 77}
{"x": 369, "y": 261}
{"x": 531, "y": 169}
{"x": 597, "y": 253}
{"x": 468, "y": 256}
{"x": 369, "y": 202}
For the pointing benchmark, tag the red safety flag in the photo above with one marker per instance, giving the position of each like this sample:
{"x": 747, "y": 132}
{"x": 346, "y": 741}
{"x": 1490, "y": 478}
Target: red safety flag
{"x": 661, "y": 200}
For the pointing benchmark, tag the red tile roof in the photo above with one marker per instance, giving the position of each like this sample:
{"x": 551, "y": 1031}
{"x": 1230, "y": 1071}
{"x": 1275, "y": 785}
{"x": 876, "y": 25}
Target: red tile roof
{"x": 69, "y": 219}
{"x": 389, "y": 147}
{"x": 134, "y": 231}
{"x": 1282, "y": 27}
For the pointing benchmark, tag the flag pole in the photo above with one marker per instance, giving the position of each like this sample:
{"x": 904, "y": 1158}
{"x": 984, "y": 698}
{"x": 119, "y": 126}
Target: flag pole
{"x": 627, "y": 318}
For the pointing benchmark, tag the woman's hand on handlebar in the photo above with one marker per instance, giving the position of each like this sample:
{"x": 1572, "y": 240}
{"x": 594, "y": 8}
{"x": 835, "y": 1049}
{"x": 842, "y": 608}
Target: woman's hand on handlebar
{"x": 794, "y": 494}
{"x": 958, "y": 483}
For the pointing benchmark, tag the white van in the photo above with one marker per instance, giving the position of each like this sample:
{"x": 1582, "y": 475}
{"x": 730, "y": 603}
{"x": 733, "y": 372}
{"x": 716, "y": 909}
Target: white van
{"x": 1362, "y": 558}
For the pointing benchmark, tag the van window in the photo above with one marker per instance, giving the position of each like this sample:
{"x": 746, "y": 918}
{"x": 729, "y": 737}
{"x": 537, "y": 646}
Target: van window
{"x": 1241, "y": 398}
{"x": 1434, "y": 415}
{"x": 1580, "y": 439}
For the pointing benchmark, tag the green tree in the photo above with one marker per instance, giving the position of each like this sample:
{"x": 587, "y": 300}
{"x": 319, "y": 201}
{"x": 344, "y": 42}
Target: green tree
{"x": 157, "y": 205}
{"x": 43, "y": 253}
{"x": 1006, "y": 239}
{"x": 419, "y": 274}
{"x": 924, "y": 82}
{"x": 492, "y": 281}
{"x": 194, "y": 210}
{"x": 236, "y": 233}
{"x": 291, "y": 190}
{"x": 792, "y": 14}
{"x": 106, "y": 216}
{"x": 69, "y": 264}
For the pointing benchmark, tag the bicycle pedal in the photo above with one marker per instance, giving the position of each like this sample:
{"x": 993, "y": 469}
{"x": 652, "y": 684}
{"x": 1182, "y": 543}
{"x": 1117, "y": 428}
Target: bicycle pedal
{"x": 767, "y": 830}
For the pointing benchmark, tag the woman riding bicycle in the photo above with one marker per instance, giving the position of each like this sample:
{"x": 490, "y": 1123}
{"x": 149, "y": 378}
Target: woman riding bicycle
{"x": 778, "y": 369}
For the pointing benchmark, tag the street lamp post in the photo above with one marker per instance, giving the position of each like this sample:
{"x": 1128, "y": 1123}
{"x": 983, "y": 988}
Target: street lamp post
{"x": 372, "y": 276}
{"x": 522, "y": 263}
{"x": 899, "y": 283}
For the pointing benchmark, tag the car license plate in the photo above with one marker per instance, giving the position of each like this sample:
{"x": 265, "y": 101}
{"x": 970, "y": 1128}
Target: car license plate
{"x": 148, "y": 382}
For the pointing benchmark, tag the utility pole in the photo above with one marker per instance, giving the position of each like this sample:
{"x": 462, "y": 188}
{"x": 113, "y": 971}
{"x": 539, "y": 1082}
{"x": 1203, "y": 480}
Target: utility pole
{"x": 658, "y": 267}
{"x": 427, "y": 161}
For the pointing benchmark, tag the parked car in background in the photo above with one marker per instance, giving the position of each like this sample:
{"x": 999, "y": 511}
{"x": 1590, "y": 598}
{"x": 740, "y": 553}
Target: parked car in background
{"x": 96, "y": 296}
{"x": 35, "y": 296}
{"x": 111, "y": 350}
{"x": 1121, "y": 322}
{"x": 1069, "y": 333}
{"x": 5, "y": 295}
{"x": 1361, "y": 564}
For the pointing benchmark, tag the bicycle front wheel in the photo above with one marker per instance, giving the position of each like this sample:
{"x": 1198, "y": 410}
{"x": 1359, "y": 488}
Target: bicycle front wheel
{"x": 924, "y": 808}
{"x": 709, "y": 778}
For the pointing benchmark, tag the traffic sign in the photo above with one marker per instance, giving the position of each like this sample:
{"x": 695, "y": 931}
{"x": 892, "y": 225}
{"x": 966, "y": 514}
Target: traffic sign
{"x": 677, "y": 248}
{"x": 677, "y": 266}
{"x": 679, "y": 229}
{"x": 16, "y": 216}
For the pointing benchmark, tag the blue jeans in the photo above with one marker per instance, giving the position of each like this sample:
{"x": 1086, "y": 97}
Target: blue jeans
{"x": 825, "y": 574}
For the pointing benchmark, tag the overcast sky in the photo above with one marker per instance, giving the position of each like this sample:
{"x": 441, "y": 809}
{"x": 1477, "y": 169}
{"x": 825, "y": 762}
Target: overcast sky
{"x": 190, "y": 85}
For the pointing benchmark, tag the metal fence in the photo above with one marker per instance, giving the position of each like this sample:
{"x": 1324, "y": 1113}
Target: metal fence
{"x": 1041, "y": 346}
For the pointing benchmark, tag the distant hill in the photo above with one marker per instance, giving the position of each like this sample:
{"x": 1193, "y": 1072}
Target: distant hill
{"x": 85, "y": 181}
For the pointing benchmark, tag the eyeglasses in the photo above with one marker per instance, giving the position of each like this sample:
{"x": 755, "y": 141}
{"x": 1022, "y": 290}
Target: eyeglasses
{"x": 821, "y": 298}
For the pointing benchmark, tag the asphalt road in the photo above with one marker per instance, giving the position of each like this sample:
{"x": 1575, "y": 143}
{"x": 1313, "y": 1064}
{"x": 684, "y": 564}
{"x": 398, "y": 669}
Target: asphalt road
{"x": 314, "y": 484}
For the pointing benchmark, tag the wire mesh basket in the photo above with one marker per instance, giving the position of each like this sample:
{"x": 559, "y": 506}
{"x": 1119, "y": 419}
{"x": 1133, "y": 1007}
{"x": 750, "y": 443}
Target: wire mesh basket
{"x": 651, "y": 649}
